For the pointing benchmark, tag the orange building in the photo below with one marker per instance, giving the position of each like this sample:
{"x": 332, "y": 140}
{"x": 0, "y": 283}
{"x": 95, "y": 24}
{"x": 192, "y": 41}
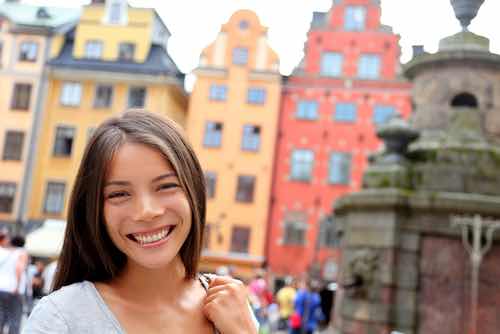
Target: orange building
{"x": 232, "y": 123}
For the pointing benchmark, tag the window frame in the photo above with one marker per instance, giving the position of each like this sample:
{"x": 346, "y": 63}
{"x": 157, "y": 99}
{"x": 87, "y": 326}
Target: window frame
{"x": 251, "y": 138}
{"x": 7, "y": 187}
{"x": 239, "y": 55}
{"x": 59, "y": 206}
{"x": 59, "y": 148}
{"x": 380, "y": 111}
{"x": 92, "y": 53}
{"x": 331, "y": 69}
{"x": 340, "y": 168}
{"x": 211, "y": 184}
{"x": 294, "y": 232}
{"x": 16, "y": 155}
{"x": 218, "y": 92}
{"x": 212, "y": 137}
{"x": 256, "y": 95}
{"x": 21, "y": 100}
{"x": 297, "y": 165}
{"x": 71, "y": 94}
{"x": 245, "y": 188}
{"x": 307, "y": 110}
{"x": 122, "y": 53}
{"x": 345, "y": 112}
{"x": 366, "y": 66}
{"x": 350, "y": 21}
{"x": 245, "y": 235}
{"x": 96, "y": 97}
{"x": 24, "y": 55}
{"x": 131, "y": 89}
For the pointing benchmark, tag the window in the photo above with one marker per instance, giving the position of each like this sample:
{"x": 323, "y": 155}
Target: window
{"x": 244, "y": 24}
{"x": 211, "y": 183}
{"x": 103, "y": 96}
{"x": 302, "y": 163}
{"x": 54, "y": 197}
{"x": 329, "y": 236}
{"x": 240, "y": 56}
{"x": 294, "y": 232}
{"x": 354, "y": 18}
{"x": 339, "y": 171}
{"x": 213, "y": 134}
{"x": 28, "y": 51}
{"x": 345, "y": 112}
{"x": 382, "y": 114}
{"x": 331, "y": 64}
{"x": 21, "y": 97}
{"x": 126, "y": 51}
{"x": 7, "y": 195}
{"x": 93, "y": 49}
{"x": 63, "y": 145}
{"x": 13, "y": 145}
{"x": 218, "y": 92}
{"x": 245, "y": 188}
{"x": 116, "y": 12}
{"x": 307, "y": 110}
{"x": 256, "y": 96}
{"x": 136, "y": 97}
{"x": 240, "y": 239}
{"x": 71, "y": 94}
{"x": 369, "y": 67}
{"x": 251, "y": 138}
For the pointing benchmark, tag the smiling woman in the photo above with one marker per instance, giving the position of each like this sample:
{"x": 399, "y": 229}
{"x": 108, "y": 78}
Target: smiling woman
{"x": 133, "y": 240}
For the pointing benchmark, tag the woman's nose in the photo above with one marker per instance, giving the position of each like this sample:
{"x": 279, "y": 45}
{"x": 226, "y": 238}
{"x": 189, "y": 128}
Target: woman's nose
{"x": 147, "y": 208}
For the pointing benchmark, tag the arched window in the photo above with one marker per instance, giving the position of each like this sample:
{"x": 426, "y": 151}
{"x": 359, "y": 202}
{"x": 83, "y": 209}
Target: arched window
{"x": 464, "y": 100}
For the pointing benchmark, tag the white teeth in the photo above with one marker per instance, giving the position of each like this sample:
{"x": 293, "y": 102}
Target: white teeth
{"x": 146, "y": 239}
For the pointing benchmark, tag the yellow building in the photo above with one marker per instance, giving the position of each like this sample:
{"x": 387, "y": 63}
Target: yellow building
{"x": 27, "y": 34}
{"x": 115, "y": 59}
{"x": 232, "y": 124}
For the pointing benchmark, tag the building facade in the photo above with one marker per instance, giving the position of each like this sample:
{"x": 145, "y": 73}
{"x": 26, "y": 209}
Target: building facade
{"x": 347, "y": 83}
{"x": 116, "y": 58}
{"x": 28, "y": 36}
{"x": 232, "y": 122}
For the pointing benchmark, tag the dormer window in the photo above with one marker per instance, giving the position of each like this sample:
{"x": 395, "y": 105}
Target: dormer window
{"x": 126, "y": 51}
{"x": 354, "y": 18}
{"x": 116, "y": 12}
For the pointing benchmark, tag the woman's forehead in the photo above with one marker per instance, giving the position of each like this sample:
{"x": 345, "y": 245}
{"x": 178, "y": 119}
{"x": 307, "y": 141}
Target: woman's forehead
{"x": 136, "y": 160}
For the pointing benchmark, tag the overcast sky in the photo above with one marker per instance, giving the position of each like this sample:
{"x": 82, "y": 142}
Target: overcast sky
{"x": 195, "y": 23}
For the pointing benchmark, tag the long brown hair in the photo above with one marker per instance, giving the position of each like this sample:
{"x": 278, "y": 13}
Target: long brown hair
{"x": 88, "y": 252}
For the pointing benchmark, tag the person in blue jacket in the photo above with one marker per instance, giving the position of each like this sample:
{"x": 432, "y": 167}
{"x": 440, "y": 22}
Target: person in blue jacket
{"x": 308, "y": 306}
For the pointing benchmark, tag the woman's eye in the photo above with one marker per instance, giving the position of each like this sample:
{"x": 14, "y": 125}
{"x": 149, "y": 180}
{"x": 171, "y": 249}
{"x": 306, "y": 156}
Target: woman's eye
{"x": 117, "y": 194}
{"x": 167, "y": 186}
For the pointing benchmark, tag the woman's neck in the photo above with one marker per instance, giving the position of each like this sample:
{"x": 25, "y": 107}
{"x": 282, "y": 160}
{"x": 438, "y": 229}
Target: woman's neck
{"x": 137, "y": 283}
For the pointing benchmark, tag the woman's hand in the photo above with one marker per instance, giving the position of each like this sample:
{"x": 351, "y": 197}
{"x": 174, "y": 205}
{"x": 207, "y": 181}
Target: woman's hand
{"x": 226, "y": 305}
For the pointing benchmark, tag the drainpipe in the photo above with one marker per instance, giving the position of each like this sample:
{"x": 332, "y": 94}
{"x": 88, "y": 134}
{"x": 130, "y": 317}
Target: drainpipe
{"x": 22, "y": 213}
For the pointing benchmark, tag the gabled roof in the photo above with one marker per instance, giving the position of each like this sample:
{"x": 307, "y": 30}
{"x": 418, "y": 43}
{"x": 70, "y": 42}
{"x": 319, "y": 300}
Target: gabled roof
{"x": 39, "y": 16}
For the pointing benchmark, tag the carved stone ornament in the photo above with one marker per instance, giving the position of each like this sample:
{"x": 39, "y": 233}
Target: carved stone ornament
{"x": 466, "y": 10}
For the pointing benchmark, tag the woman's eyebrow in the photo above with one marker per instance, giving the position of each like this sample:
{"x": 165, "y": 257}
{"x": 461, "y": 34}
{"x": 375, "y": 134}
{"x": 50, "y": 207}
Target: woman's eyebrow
{"x": 164, "y": 176}
{"x": 126, "y": 183}
{"x": 116, "y": 183}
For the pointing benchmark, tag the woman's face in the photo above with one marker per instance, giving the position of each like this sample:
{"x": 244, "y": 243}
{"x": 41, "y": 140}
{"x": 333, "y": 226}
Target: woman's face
{"x": 146, "y": 211}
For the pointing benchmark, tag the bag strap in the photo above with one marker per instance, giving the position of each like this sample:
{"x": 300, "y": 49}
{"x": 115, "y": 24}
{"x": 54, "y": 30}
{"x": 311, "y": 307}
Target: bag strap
{"x": 205, "y": 282}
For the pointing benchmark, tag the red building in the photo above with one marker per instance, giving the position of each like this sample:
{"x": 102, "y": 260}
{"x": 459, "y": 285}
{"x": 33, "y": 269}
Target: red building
{"x": 347, "y": 83}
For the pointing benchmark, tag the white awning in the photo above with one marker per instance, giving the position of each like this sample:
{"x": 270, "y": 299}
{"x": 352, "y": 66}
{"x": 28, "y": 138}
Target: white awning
{"x": 47, "y": 240}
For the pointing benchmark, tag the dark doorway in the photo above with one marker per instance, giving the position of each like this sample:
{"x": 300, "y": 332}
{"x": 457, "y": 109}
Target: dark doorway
{"x": 464, "y": 100}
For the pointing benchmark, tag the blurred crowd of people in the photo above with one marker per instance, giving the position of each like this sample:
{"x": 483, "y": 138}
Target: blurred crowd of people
{"x": 298, "y": 307}
{"x": 23, "y": 281}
